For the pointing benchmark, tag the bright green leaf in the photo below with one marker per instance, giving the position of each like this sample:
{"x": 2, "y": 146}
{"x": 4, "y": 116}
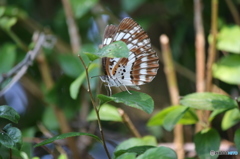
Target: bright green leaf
{"x": 75, "y": 85}
{"x": 2, "y": 10}
{"x": 7, "y": 57}
{"x": 173, "y": 117}
{"x": 9, "y": 113}
{"x": 11, "y": 137}
{"x": 215, "y": 113}
{"x": 208, "y": 101}
{"x": 188, "y": 118}
{"x": 117, "y": 49}
{"x": 6, "y": 23}
{"x": 227, "y": 69}
{"x": 137, "y": 150}
{"x": 137, "y": 100}
{"x": 237, "y": 139}
{"x": 71, "y": 65}
{"x": 107, "y": 113}
{"x": 228, "y": 39}
{"x": 159, "y": 153}
{"x": 91, "y": 57}
{"x": 66, "y": 135}
{"x": 230, "y": 118}
{"x": 130, "y": 6}
{"x": 127, "y": 156}
{"x": 205, "y": 141}
{"x": 81, "y": 7}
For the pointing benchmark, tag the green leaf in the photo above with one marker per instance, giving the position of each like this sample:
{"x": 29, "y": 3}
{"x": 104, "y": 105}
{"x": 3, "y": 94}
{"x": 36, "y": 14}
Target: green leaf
{"x": 11, "y": 137}
{"x": 6, "y": 23}
{"x": 132, "y": 142}
{"x": 237, "y": 139}
{"x": 66, "y": 135}
{"x": 107, "y": 113}
{"x": 228, "y": 39}
{"x": 9, "y": 113}
{"x": 137, "y": 150}
{"x": 230, "y": 118}
{"x": 2, "y": 10}
{"x": 189, "y": 116}
{"x": 49, "y": 120}
{"x": 227, "y": 69}
{"x": 208, "y": 101}
{"x": 76, "y": 84}
{"x": 130, "y": 6}
{"x": 71, "y": 65}
{"x": 117, "y": 49}
{"x": 173, "y": 117}
{"x": 159, "y": 153}
{"x": 137, "y": 100}
{"x": 81, "y": 7}
{"x": 91, "y": 57}
{"x": 215, "y": 113}
{"x": 205, "y": 141}
{"x": 127, "y": 156}
{"x": 7, "y": 57}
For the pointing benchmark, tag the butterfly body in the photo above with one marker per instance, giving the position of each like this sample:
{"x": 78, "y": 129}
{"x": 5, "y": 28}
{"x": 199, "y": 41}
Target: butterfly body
{"x": 139, "y": 67}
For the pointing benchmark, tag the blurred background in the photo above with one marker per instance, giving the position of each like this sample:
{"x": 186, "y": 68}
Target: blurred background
{"x": 43, "y": 91}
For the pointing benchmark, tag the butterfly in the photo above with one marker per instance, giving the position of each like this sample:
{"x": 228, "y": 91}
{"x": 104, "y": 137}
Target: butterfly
{"x": 141, "y": 65}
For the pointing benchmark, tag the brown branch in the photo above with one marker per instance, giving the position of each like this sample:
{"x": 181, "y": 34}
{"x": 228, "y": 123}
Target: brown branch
{"x": 200, "y": 55}
{"x": 173, "y": 90}
{"x": 129, "y": 123}
{"x": 233, "y": 11}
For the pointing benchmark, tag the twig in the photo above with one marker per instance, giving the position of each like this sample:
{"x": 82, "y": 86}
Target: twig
{"x": 95, "y": 107}
{"x": 173, "y": 90}
{"x": 20, "y": 69}
{"x": 200, "y": 55}
{"x": 234, "y": 11}
{"x": 129, "y": 123}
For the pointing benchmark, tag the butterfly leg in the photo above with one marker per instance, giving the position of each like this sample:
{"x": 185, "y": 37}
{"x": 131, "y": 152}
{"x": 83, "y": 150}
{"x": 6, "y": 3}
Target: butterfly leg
{"x": 109, "y": 91}
{"x": 127, "y": 89}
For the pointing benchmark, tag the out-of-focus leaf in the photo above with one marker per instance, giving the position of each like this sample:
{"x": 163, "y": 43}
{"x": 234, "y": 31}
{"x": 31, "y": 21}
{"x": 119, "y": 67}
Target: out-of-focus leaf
{"x": 91, "y": 57}
{"x": 9, "y": 113}
{"x": 130, "y": 6}
{"x": 173, "y": 117}
{"x": 127, "y": 156}
{"x": 2, "y": 10}
{"x": 81, "y": 7}
{"x": 227, "y": 69}
{"x": 50, "y": 120}
{"x": 159, "y": 153}
{"x": 107, "y": 113}
{"x": 66, "y": 135}
{"x": 75, "y": 86}
{"x": 215, "y": 113}
{"x": 230, "y": 118}
{"x": 7, "y": 57}
{"x": 206, "y": 141}
{"x": 208, "y": 101}
{"x": 138, "y": 150}
{"x": 138, "y": 100}
{"x": 6, "y": 23}
{"x": 228, "y": 39}
{"x": 237, "y": 139}
{"x": 11, "y": 137}
{"x": 117, "y": 49}
{"x": 71, "y": 65}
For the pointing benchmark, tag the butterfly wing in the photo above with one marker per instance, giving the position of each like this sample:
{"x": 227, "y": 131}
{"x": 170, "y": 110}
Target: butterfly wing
{"x": 142, "y": 63}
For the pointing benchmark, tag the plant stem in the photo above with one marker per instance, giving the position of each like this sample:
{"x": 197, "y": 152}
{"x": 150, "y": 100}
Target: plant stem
{"x": 17, "y": 40}
{"x": 233, "y": 11}
{"x": 173, "y": 90}
{"x": 95, "y": 107}
{"x": 200, "y": 55}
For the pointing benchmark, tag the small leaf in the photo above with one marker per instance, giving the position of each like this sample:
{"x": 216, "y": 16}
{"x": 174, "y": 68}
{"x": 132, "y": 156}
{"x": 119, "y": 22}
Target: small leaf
{"x": 11, "y": 137}
{"x": 9, "y": 113}
{"x": 227, "y": 69}
{"x": 137, "y": 100}
{"x": 81, "y": 7}
{"x": 228, "y": 39}
{"x": 66, "y": 135}
{"x": 237, "y": 139}
{"x": 230, "y": 118}
{"x": 138, "y": 150}
{"x": 116, "y": 49}
{"x": 208, "y": 101}
{"x": 107, "y": 113}
{"x": 71, "y": 65}
{"x": 159, "y": 153}
{"x": 6, "y": 23}
{"x": 132, "y": 142}
{"x": 188, "y": 118}
{"x": 215, "y": 113}
{"x": 173, "y": 117}
{"x": 205, "y": 141}
{"x": 7, "y": 57}
{"x": 76, "y": 84}
{"x": 91, "y": 57}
